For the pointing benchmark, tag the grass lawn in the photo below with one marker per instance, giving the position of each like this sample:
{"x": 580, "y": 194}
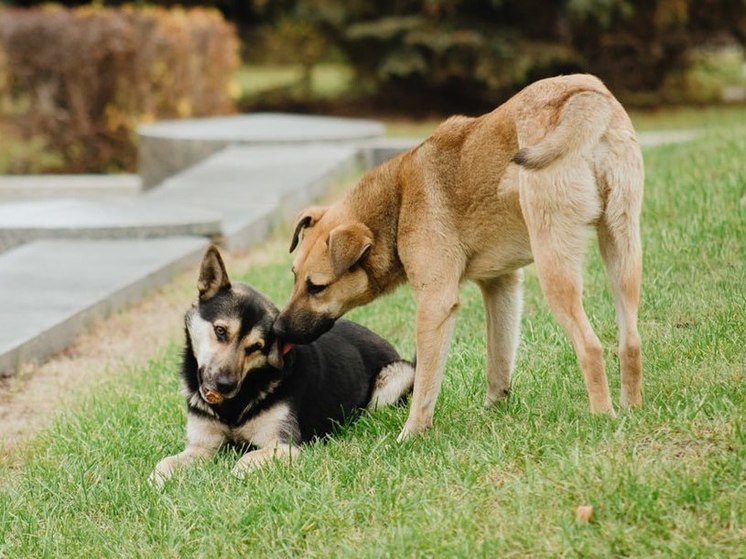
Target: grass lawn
{"x": 667, "y": 480}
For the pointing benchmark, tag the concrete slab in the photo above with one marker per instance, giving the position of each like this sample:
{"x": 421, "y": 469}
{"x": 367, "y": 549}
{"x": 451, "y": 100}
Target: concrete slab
{"x": 266, "y": 128}
{"x": 22, "y": 222}
{"x": 51, "y": 290}
{"x": 30, "y": 187}
{"x": 168, "y": 147}
{"x": 251, "y": 187}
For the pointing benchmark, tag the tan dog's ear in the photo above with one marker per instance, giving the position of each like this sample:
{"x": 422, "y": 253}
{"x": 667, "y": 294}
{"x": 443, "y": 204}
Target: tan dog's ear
{"x": 212, "y": 275}
{"x": 307, "y": 218}
{"x": 347, "y": 245}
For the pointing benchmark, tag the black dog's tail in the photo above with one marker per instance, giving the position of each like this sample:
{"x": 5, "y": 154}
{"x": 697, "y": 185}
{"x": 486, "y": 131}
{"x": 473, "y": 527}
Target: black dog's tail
{"x": 393, "y": 383}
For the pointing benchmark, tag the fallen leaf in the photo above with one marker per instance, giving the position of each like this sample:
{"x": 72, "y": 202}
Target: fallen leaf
{"x": 584, "y": 513}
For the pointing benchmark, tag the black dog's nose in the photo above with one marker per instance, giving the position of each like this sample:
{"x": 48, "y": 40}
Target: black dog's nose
{"x": 225, "y": 384}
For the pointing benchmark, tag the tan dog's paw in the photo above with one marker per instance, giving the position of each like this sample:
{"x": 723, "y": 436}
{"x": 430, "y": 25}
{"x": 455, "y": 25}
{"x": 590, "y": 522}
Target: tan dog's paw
{"x": 603, "y": 408}
{"x": 412, "y": 429}
{"x": 491, "y": 400}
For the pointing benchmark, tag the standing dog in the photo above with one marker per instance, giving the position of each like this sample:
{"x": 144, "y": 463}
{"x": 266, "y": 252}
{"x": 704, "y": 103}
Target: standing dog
{"x": 480, "y": 199}
{"x": 245, "y": 386}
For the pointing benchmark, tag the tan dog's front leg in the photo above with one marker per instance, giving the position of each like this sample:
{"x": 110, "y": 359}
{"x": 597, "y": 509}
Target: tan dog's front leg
{"x": 258, "y": 458}
{"x": 204, "y": 438}
{"x": 436, "y": 318}
{"x": 503, "y": 303}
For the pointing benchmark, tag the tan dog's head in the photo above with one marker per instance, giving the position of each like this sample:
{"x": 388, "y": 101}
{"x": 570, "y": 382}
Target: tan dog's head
{"x": 330, "y": 276}
{"x": 229, "y": 332}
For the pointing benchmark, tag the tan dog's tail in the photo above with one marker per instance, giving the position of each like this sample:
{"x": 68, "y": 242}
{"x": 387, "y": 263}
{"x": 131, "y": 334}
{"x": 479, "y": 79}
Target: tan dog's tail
{"x": 585, "y": 117}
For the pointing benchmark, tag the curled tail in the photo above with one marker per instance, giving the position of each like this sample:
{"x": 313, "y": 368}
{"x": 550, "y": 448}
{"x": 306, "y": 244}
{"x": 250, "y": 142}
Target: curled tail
{"x": 584, "y": 119}
{"x": 393, "y": 383}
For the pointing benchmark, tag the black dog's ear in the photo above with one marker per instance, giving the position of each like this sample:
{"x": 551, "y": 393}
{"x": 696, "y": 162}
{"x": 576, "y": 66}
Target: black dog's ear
{"x": 212, "y": 275}
{"x": 307, "y": 219}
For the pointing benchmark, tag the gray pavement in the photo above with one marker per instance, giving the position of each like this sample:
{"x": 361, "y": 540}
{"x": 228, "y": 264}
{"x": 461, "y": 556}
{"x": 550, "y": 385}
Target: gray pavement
{"x": 169, "y": 147}
{"x": 23, "y": 222}
{"x": 250, "y": 187}
{"x": 52, "y": 290}
{"x": 97, "y": 187}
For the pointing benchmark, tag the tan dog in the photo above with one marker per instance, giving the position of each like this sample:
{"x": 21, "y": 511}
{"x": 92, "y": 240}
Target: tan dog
{"x": 480, "y": 199}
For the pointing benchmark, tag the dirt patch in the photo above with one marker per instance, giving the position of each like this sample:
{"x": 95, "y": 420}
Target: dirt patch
{"x": 30, "y": 400}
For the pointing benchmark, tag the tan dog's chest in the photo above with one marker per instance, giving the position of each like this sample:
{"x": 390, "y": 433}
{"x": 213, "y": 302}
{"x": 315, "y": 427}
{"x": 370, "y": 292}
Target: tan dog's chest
{"x": 478, "y": 209}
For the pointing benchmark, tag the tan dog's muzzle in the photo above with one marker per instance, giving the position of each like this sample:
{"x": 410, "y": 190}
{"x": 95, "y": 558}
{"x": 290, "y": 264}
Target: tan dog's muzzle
{"x": 301, "y": 327}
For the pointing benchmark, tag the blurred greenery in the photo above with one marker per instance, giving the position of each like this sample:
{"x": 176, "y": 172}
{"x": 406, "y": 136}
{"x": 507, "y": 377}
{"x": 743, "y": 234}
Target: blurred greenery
{"x": 425, "y": 60}
{"x": 459, "y": 55}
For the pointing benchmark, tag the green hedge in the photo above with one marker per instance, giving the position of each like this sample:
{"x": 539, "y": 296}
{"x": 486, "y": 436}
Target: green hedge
{"x": 81, "y": 80}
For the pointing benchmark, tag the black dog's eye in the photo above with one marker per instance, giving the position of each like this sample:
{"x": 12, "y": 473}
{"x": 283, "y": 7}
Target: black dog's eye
{"x": 314, "y": 289}
{"x": 252, "y": 348}
{"x": 221, "y": 332}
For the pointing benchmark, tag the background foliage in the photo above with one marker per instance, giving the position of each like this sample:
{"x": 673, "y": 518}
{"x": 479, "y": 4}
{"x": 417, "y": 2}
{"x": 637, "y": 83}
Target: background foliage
{"x": 476, "y": 53}
{"x": 78, "y": 81}
{"x": 75, "y": 82}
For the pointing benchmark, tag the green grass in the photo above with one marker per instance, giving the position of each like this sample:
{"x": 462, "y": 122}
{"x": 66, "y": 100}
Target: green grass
{"x": 707, "y": 118}
{"x": 665, "y": 481}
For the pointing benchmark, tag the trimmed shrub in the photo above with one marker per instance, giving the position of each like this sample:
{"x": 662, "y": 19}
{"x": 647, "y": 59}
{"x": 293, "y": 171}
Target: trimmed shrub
{"x": 83, "y": 79}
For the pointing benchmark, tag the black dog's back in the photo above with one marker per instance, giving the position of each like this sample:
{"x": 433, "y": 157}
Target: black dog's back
{"x": 331, "y": 379}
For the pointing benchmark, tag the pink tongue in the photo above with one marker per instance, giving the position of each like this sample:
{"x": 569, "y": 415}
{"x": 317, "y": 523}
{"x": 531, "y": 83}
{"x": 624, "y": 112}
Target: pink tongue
{"x": 286, "y": 347}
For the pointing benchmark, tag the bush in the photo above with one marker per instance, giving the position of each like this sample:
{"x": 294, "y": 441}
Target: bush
{"x": 469, "y": 55}
{"x": 83, "y": 79}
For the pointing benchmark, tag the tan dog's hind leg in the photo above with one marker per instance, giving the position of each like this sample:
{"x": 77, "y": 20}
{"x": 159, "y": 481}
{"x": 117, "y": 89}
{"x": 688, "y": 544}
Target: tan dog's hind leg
{"x": 621, "y": 250}
{"x": 558, "y": 204}
{"x": 623, "y": 259}
{"x": 436, "y": 318}
{"x": 503, "y": 302}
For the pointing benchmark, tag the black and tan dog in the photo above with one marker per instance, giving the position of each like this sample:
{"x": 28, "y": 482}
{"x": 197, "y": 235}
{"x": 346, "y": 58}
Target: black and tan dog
{"x": 243, "y": 385}
{"x": 480, "y": 199}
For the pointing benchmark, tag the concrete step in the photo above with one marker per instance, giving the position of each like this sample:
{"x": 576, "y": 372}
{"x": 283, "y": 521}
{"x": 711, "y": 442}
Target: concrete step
{"x": 169, "y": 147}
{"x": 251, "y": 187}
{"x": 23, "y": 222}
{"x": 51, "y": 290}
{"x": 98, "y": 187}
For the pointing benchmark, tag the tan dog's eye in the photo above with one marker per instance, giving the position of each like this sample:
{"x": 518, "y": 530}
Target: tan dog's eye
{"x": 252, "y": 348}
{"x": 313, "y": 288}
{"x": 221, "y": 332}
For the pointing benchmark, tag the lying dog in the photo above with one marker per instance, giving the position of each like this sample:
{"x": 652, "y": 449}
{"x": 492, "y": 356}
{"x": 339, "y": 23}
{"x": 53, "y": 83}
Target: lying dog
{"x": 243, "y": 386}
{"x": 480, "y": 199}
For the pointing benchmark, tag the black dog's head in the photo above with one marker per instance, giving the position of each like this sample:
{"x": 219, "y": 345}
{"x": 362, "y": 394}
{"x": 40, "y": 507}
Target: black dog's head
{"x": 230, "y": 331}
